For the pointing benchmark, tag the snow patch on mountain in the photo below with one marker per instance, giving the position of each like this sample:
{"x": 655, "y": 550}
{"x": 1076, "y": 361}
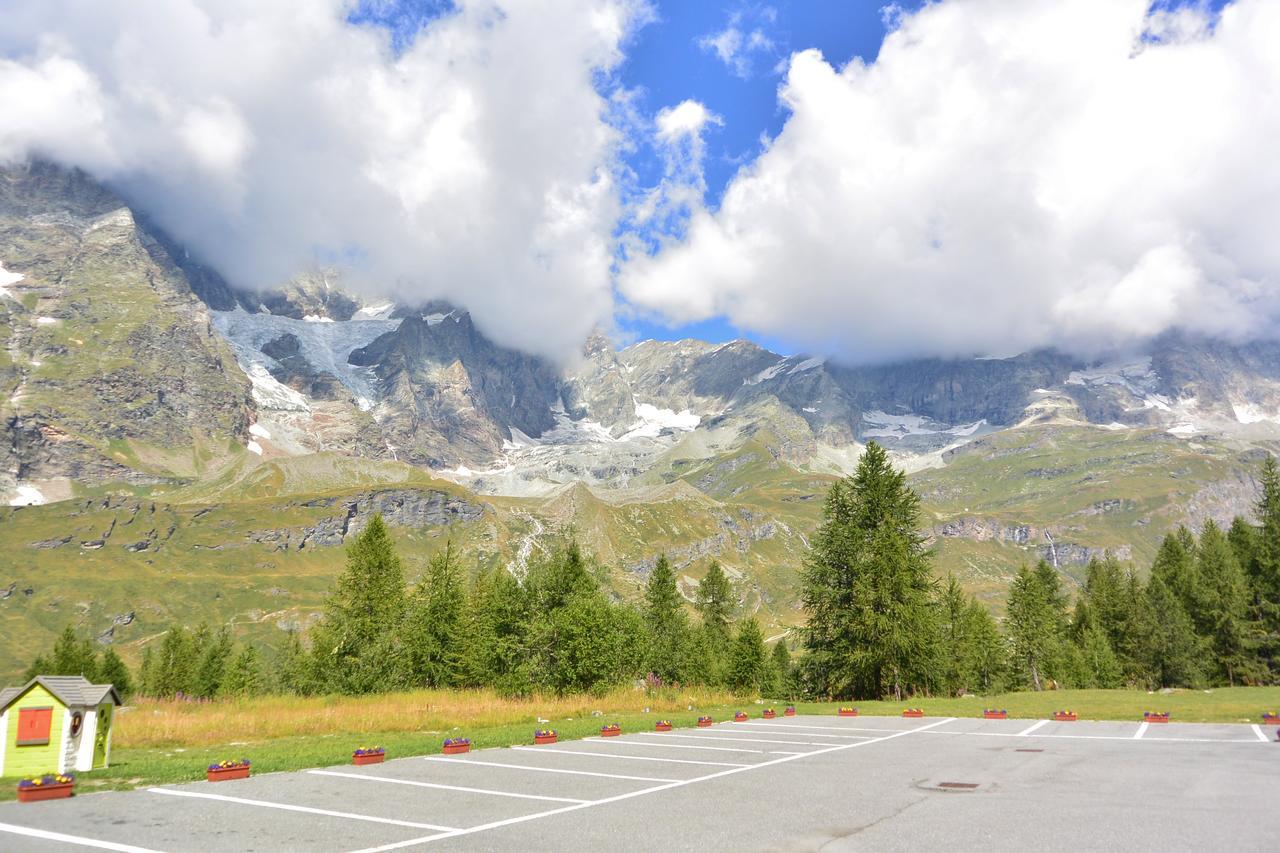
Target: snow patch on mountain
{"x": 652, "y": 421}
{"x": 885, "y": 425}
{"x": 7, "y": 278}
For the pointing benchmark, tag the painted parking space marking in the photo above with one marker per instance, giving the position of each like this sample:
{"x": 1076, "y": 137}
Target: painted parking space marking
{"x": 547, "y": 769}
{"x": 807, "y": 733}
{"x": 1142, "y": 730}
{"x": 1031, "y": 728}
{"x": 619, "y": 757}
{"x": 613, "y": 741}
{"x": 830, "y": 728}
{"x": 1257, "y": 730}
{"x": 266, "y": 804}
{"x": 413, "y": 842}
{"x": 733, "y": 739}
{"x": 78, "y": 840}
{"x": 439, "y": 786}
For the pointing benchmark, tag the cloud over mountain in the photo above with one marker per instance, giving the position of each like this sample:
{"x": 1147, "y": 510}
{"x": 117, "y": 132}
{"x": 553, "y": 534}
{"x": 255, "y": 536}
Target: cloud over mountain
{"x": 1004, "y": 176}
{"x": 477, "y": 165}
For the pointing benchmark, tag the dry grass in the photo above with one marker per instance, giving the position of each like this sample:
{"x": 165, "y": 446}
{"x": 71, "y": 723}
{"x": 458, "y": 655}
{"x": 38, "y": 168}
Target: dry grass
{"x": 151, "y": 723}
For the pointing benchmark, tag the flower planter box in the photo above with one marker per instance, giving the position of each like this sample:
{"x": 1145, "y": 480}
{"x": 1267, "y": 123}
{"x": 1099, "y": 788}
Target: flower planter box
{"x": 36, "y": 793}
{"x": 610, "y": 731}
{"x": 995, "y": 715}
{"x": 739, "y": 717}
{"x": 540, "y": 739}
{"x": 847, "y": 712}
{"x": 1270, "y": 719}
{"x": 457, "y": 748}
{"x": 662, "y": 727}
{"x": 789, "y": 712}
{"x": 704, "y": 722}
{"x": 770, "y": 714}
{"x": 226, "y": 773}
{"x": 372, "y": 758}
{"x": 1064, "y": 716}
{"x": 913, "y": 712}
{"x": 1152, "y": 717}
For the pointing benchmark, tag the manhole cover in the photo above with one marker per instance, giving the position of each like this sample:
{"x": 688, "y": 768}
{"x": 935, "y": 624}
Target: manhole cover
{"x": 962, "y": 786}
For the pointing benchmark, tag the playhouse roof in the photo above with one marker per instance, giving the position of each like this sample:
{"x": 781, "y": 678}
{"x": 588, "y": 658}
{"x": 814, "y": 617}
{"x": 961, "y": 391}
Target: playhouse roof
{"x": 68, "y": 689}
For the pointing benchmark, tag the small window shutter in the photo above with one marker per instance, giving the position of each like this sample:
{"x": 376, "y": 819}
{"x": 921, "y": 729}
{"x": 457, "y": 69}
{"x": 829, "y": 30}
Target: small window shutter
{"x": 34, "y": 725}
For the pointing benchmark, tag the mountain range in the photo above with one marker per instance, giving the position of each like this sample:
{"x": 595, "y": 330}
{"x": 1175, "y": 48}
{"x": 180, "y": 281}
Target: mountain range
{"x": 178, "y": 449}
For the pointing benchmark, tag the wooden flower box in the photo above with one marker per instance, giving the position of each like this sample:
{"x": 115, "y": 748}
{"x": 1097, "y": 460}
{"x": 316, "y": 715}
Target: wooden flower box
{"x": 1064, "y": 716}
{"x": 769, "y": 714}
{"x": 372, "y": 758}
{"x": 913, "y": 712}
{"x": 36, "y": 793}
{"x": 222, "y": 774}
{"x": 990, "y": 714}
{"x": 662, "y": 727}
{"x": 740, "y": 717}
{"x": 541, "y": 739}
{"x": 789, "y": 712}
{"x": 610, "y": 731}
{"x": 847, "y": 712}
{"x": 1270, "y": 719}
{"x": 1155, "y": 717}
{"x": 457, "y": 748}
{"x": 704, "y": 722}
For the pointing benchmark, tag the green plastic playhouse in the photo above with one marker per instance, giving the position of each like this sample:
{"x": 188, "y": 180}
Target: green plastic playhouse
{"x": 56, "y": 724}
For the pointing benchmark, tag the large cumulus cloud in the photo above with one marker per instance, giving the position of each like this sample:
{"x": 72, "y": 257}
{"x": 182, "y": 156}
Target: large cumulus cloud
{"x": 478, "y": 165}
{"x": 1004, "y": 176}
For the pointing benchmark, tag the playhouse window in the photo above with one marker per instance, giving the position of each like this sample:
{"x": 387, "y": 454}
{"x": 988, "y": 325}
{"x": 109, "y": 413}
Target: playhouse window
{"x": 34, "y": 725}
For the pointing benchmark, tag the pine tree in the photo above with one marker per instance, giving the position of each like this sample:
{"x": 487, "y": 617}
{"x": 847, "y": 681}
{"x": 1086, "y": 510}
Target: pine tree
{"x": 1265, "y": 567}
{"x": 1033, "y": 628}
{"x": 780, "y": 670}
{"x": 294, "y": 668}
{"x": 868, "y": 588}
{"x": 112, "y": 670}
{"x": 434, "y": 624}
{"x": 212, "y": 665}
{"x": 1101, "y": 665}
{"x": 73, "y": 656}
{"x": 665, "y": 621}
{"x": 1221, "y": 601}
{"x": 243, "y": 675}
{"x": 1175, "y": 565}
{"x": 954, "y": 625}
{"x": 355, "y": 644}
{"x": 1172, "y": 649}
{"x": 747, "y": 660}
{"x": 171, "y": 669}
{"x": 986, "y": 652}
{"x": 714, "y": 600}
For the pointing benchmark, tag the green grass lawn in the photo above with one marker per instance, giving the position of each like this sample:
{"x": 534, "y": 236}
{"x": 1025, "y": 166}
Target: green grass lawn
{"x": 159, "y": 765}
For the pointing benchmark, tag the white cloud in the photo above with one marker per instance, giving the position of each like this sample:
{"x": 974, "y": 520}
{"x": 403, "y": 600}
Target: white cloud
{"x": 742, "y": 36}
{"x": 477, "y": 166}
{"x": 1004, "y": 176}
{"x": 685, "y": 120}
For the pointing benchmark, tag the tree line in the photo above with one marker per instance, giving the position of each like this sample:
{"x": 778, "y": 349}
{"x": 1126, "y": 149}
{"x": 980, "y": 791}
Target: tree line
{"x": 879, "y": 622}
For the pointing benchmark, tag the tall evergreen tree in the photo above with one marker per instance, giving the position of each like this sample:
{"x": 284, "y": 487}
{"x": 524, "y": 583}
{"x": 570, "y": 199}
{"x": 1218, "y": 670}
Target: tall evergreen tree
{"x": 1221, "y": 605}
{"x": 780, "y": 680}
{"x": 868, "y": 588}
{"x": 714, "y": 600}
{"x": 1265, "y": 567}
{"x": 747, "y": 665}
{"x": 1101, "y": 666}
{"x": 434, "y": 624}
{"x": 1175, "y": 565}
{"x": 212, "y": 665}
{"x": 665, "y": 621}
{"x": 1172, "y": 649}
{"x": 73, "y": 656}
{"x": 1032, "y": 623}
{"x": 112, "y": 670}
{"x": 243, "y": 676}
{"x": 354, "y": 645}
{"x": 172, "y": 667}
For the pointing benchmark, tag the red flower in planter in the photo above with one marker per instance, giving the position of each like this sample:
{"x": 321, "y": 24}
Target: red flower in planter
{"x": 610, "y": 730}
{"x": 913, "y": 712}
{"x": 769, "y": 713}
{"x": 847, "y": 712}
{"x": 662, "y": 725}
{"x": 790, "y": 711}
{"x": 48, "y": 787}
{"x": 704, "y": 722}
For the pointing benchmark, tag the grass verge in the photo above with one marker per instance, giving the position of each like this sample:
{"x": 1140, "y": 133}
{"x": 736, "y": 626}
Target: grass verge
{"x": 167, "y": 742}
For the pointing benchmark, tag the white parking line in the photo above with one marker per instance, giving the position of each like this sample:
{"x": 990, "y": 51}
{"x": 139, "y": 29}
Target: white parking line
{"x": 618, "y": 757}
{"x": 1142, "y": 730}
{"x": 1031, "y": 728}
{"x": 829, "y": 728}
{"x": 781, "y": 730}
{"x": 547, "y": 769}
{"x": 46, "y": 835}
{"x": 620, "y": 742}
{"x": 437, "y": 785}
{"x": 413, "y": 842}
{"x": 734, "y": 739}
{"x": 1257, "y": 730}
{"x": 304, "y": 809}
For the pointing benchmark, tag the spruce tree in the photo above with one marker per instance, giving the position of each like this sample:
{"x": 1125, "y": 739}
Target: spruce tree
{"x": 354, "y": 644}
{"x": 1175, "y": 565}
{"x": 985, "y": 652}
{"x": 868, "y": 589}
{"x": 1265, "y": 574}
{"x": 112, "y": 670}
{"x": 714, "y": 599}
{"x": 73, "y": 656}
{"x": 1172, "y": 649}
{"x": 1032, "y": 623}
{"x": 1220, "y": 614}
{"x": 665, "y": 621}
{"x": 212, "y": 665}
{"x": 433, "y": 629}
{"x": 747, "y": 660}
{"x": 780, "y": 670}
{"x": 1100, "y": 662}
{"x": 172, "y": 668}
{"x": 243, "y": 675}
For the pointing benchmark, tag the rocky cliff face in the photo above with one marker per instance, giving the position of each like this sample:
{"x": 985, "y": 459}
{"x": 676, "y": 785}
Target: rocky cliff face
{"x": 112, "y": 368}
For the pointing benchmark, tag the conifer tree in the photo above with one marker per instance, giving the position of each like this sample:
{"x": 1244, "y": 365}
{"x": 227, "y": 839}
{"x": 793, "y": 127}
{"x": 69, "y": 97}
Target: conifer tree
{"x": 747, "y": 668}
{"x": 212, "y": 665}
{"x": 868, "y": 588}
{"x": 294, "y": 668}
{"x": 1265, "y": 567}
{"x": 1102, "y": 667}
{"x": 1221, "y": 604}
{"x": 355, "y": 644}
{"x": 243, "y": 674}
{"x": 780, "y": 670}
{"x": 985, "y": 652}
{"x": 433, "y": 629}
{"x": 172, "y": 667}
{"x": 1033, "y": 628}
{"x": 1172, "y": 649}
{"x": 112, "y": 670}
{"x": 665, "y": 621}
{"x": 73, "y": 656}
{"x": 714, "y": 600}
{"x": 1175, "y": 565}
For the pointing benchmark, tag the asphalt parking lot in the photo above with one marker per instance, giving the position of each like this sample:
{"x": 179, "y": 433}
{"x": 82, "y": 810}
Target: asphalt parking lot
{"x": 799, "y": 783}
